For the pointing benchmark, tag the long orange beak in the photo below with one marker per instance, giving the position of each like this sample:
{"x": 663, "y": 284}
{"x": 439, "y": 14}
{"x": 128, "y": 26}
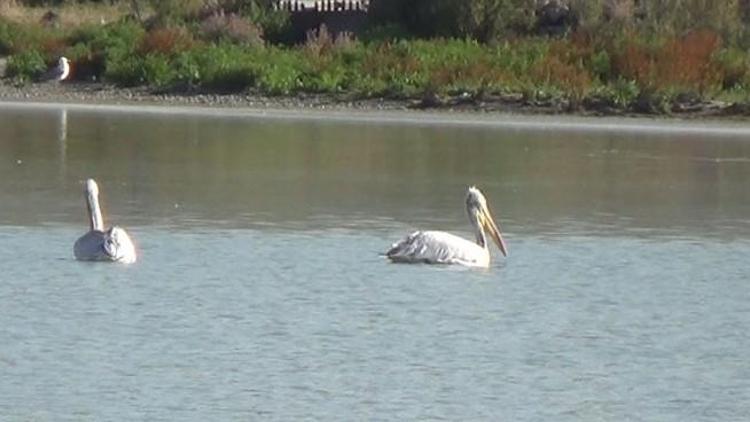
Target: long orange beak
{"x": 489, "y": 224}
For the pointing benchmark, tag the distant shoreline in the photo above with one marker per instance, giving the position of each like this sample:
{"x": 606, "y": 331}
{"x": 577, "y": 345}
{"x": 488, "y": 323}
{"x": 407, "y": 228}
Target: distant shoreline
{"x": 508, "y": 110}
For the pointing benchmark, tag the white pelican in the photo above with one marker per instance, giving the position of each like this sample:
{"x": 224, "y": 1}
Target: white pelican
{"x": 436, "y": 247}
{"x": 113, "y": 245}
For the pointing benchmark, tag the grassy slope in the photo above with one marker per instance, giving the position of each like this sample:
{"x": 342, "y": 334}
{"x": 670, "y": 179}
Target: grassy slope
{"x": 620, "y": 69}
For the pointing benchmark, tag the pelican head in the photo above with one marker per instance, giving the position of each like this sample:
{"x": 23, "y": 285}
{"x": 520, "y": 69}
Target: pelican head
{"x": 481, "y": 218}
{"x": 92, "y": 189}
{"x": 91, "y": 193}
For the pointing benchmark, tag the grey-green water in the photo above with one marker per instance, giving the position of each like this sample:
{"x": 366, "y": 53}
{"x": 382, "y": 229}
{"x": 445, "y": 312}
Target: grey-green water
{"x": 260, "y": 294}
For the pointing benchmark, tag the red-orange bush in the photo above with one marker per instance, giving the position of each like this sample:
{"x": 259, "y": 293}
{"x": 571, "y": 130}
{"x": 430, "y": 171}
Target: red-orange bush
{"x": 477, "y": 74}
{"x": 686, "y": 62}
{"x": 570, "y": 78}
{"x": 166, "y": 41}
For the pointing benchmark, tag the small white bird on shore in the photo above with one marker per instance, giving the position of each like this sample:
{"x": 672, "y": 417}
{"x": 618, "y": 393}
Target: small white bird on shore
{"x": 113, "y": 245}
{"x": 60, "y": 72}
{"x": 437, "y": 247}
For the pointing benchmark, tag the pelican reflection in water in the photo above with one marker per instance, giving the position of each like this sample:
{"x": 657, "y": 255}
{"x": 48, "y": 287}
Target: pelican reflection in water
{"x": 112, "y": 245}
{"x": 437, "y": 247}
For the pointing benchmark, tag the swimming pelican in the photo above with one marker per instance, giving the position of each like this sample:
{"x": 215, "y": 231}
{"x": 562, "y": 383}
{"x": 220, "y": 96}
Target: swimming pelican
{"x": 436, "y": 247}
{"x": 113, "y": 245}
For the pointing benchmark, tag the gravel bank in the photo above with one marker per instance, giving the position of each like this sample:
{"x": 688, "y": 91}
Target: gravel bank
{"x": 99, "y": 93}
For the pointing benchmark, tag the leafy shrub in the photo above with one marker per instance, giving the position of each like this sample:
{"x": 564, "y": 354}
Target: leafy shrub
{"x": 125, "y": 69}
{"x": 93, "y": 48}
{"x": 281, "y": 72}
{"x": 601, "y": 65}
{"x": 225, "y": 67}
{"x": 158, "y": 71}
{"x": 117, "y": 44}
{"x": 621, "y": 93}
{"x": 733, "y": 64}
{"x": 121, "y": 35}
{"x": 26, "y": 66}
{"x": 187, "y": 70}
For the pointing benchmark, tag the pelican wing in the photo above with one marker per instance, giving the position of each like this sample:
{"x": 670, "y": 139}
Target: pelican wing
{"x": 56, "y": 73}
{"x": 118, "y": 245}
{"x": 90, "y": 247}
{"x": 436, "y": 247}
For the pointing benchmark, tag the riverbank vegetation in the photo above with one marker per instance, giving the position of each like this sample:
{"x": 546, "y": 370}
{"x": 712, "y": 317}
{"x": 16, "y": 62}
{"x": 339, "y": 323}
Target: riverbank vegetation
{"x": 607, "y": 54}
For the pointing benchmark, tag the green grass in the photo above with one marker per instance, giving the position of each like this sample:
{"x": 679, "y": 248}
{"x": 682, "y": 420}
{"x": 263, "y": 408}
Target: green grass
{"x": 620, "y": 67}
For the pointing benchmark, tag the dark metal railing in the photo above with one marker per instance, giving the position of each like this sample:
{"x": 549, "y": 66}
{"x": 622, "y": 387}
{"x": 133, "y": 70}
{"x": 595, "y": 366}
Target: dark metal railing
{"x": 323, "y": 5}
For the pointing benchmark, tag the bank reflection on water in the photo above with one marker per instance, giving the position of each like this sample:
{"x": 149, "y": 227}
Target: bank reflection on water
{"x": 251, "y": 172}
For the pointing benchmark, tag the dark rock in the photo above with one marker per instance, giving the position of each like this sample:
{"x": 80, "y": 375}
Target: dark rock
{"x": 649, "y": 103}
{"x": 464, "y": 98}
{"x": 554, "y": 17}
{"x": 50, "y": 20}
{"x": 687, "y": 98}
{"x": 428, "y": 100}
{"x": 737, "y": 109}
{"x": 601, "y": 106}
{"x": 686, "y": 107}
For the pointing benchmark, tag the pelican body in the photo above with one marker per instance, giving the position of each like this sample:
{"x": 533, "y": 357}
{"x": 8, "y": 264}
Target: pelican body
{"x": 437, "y": 247}
{"x": 111, "y": 245}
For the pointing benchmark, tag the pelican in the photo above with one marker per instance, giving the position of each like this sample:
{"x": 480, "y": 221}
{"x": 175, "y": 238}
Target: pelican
{"x": 113, "y": 245}
{"x": 437, "y": 247}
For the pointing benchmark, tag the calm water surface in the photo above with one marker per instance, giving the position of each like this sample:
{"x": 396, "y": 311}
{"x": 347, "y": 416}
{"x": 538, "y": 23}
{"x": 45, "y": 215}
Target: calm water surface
{"x": 260, "y": 294}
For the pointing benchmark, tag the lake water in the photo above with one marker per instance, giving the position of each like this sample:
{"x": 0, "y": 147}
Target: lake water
{"x": 260, "y": 294}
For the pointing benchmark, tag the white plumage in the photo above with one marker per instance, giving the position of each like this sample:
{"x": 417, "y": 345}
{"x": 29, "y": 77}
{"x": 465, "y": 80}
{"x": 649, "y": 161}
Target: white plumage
{"x": 437, "y": 247}
{"x": 63, "y": 67}
{"x": 112, "y": 245}
{"x": 60, "y": 72}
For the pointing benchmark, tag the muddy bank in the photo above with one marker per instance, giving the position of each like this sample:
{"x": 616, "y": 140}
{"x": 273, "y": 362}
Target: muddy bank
{"x": 99, "y": 93}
